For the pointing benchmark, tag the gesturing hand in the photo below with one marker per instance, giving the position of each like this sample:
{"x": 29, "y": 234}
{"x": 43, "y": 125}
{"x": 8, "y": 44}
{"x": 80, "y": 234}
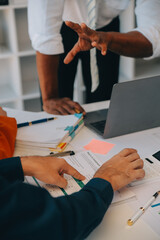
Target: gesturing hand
{"x": 49, "y": 169}
{"x": 88, "y": 39}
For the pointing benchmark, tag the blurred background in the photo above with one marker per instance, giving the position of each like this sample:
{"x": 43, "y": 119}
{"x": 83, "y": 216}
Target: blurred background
{"x": 19, "y": 85}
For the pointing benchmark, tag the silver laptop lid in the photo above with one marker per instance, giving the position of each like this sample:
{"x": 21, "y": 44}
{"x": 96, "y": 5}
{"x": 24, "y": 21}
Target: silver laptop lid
{"x": 134, "y": 106}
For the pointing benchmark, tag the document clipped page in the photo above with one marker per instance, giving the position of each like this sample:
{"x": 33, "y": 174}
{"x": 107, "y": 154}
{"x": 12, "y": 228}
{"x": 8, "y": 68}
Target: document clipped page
{"x": 87, "y": 164}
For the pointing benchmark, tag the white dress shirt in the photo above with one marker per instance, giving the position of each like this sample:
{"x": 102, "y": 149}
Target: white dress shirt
{"x": 46, "y": 17}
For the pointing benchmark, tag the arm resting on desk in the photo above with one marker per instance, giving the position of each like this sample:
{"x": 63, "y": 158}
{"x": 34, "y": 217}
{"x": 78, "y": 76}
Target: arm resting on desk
{"x": 29, "y": 212}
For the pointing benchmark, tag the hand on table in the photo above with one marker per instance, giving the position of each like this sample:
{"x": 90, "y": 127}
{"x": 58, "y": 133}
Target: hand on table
{"x": 122, "y": 169}
{"x": 49, "y": 169}
{"x": 62, "y": 106}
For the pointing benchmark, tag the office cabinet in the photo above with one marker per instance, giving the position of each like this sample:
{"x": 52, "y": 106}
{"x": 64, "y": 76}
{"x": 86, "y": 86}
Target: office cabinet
{"x": 19, "y": 86}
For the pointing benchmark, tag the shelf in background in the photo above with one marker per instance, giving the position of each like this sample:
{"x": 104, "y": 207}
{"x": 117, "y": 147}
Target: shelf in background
{"x": 6, "y": 45}
{"x": 13, "y": 6}
{"x": 9, "y": 104}
{"x": 33, "y": 105}
{"x": 31, "y": 89}
{"x": 5, "y": 52}
{"x": 27, "y": 52}
{"x": 29, "y": 76}
{"x": 18, "y": 3}
{"x": 25, "y": 48}
{"x": 24, "y": 43}
{"x": 4, "y": 7}
{"x": 7, "y": 93}
{"x": 18, "y": 6}
{"x": 19, "y": 85}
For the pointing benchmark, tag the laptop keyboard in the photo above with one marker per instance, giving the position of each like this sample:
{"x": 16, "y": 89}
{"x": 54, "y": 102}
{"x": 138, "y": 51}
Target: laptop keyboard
{"x": 99, "y": 125}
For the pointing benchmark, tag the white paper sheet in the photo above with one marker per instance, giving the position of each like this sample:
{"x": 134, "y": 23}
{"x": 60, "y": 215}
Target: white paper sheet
{"x": 87, "y": 164}
{"x": 47, "y": 134}
{"x": 152, "y": 214}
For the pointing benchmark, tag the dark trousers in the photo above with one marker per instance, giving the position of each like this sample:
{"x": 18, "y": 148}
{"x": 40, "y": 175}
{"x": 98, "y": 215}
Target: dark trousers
{"x": 108, "y": 67}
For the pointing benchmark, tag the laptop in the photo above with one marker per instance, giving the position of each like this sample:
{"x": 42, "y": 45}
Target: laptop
{"x": 134, "y": 106}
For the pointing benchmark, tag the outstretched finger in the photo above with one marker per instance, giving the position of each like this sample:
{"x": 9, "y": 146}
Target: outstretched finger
{"x": 138, "y": 164}
{"x": 70, "y": 56}
{"x": 88, "y": 31}
{"x": 68, "y": 169}
{"x": 75, "y": 26}
{"x": 100, "y": 46}
{"x": 60, "y": 181}
{"x": 103, "y": 49}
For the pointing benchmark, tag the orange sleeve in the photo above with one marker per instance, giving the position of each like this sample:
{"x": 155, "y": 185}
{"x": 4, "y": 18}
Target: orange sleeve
{"x": 8, "y": 131}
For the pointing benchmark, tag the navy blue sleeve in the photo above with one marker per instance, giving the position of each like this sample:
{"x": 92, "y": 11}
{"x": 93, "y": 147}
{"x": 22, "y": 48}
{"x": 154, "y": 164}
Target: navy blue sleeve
{"x": 29, "y": 212}
{"x": 11, "y": 169}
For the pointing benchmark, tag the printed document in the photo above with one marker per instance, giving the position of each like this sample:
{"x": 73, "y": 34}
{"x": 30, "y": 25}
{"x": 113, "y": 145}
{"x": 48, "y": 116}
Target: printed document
{"x": 87, "y": 164}
{"x": 152, "y": 169}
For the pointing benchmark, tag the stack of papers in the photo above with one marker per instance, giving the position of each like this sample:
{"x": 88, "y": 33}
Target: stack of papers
{"x": 53, "y": 135}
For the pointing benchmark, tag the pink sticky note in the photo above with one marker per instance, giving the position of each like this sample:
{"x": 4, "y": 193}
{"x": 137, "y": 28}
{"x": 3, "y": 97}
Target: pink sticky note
{"x": 98, "y": 146}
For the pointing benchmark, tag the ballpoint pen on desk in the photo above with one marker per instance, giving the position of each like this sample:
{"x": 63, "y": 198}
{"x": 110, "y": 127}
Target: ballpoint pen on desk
{"x": 35, "y": 122}
{"x": 61, "y": 154}
{"x": 141, "y": 210}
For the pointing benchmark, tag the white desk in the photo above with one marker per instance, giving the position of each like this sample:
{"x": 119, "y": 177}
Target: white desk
{"x": 114, "y": 225}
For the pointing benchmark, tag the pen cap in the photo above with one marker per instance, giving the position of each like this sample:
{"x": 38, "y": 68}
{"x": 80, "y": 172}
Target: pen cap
{"x": 130, "y": 222}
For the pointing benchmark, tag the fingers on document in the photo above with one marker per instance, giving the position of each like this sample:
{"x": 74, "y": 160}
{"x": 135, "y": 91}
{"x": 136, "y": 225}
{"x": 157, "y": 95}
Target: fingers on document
{"x": 127, "y": 151}
{"x": 75, "y": 26}
{"x": 133, "y": 156}
{"x": 68, "y": 169}
{"x": 137, "y": 174}
{"x": 138, "y": 164}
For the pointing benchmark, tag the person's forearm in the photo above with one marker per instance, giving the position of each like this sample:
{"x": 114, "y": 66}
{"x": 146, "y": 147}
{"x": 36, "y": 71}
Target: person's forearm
{"x": 131, "y": 44}
{"x": 47, "y": 66}
{"x": 68, "y": 217}
{"x": 11, "y": 169}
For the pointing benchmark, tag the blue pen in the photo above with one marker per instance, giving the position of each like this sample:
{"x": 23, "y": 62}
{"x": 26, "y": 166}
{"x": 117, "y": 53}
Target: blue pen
{"x": 35, "y": 122}
{"x": 155, "y": 205}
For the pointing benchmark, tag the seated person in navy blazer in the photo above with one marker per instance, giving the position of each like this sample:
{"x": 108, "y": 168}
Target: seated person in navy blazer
{"x": 29, "y": 212}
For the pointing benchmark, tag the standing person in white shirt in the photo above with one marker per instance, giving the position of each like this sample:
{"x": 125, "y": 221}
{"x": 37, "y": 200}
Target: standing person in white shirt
{"x": 53, "y": 40}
